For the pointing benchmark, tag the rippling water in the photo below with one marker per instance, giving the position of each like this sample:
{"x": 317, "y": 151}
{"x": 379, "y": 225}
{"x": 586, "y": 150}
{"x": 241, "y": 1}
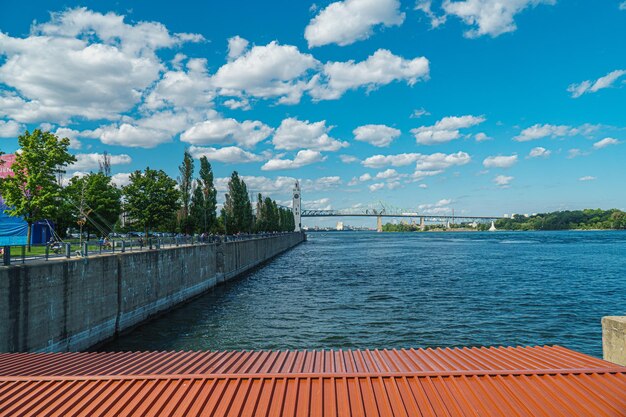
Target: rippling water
{"x": 368, "y": 290}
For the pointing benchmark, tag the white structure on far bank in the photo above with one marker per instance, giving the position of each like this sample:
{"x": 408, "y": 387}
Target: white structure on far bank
{"x": 339, "y": 226}
{"x": 297, "y": 206}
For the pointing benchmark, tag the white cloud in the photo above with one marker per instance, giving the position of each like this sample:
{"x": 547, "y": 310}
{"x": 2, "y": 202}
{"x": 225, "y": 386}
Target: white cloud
{"x": 281, "y": 184}
{"x": 379, "y": 161}
{"x": 71, "y": 134}
{"x": 377, "y": 186}
{"x": 365, "y": 177}
{"x": 228, "y": 154}
{"x": 445, "y": 130}
{"x": 348, "y": 21}
{"x": 500, "y": 161}
{"x": 268, "y": 71}
{"x": 377, "y": 135}
{"x": 481, "y": 137}
{"x": 539, "y": 152}
{"x": 503, "y": 181}
{"x": 236, "y": 47}
{"x": 302, "y": 158}
{"x": 587, "y": 178}
{"x": 380, "y": 68}
{"x": 590, "y": 86}
{"x": 81, "y": 64}
{"x": 423, "y": 186}
{"x": 387, "y": 174}
{"x": 440, "y": 161}
{"x": 297, "y": 134}
{"x": 121, "y": 179}
{"x": 188, "y": 88}
{"x": 575, "y": 153}
{"x": 440, "y": 207}
{"x": 129, "y": 135}
{"x": 540, "y": 131}
{"x": 487, "y": 17}
{"x": 91, "y": 161}
{"x": 10, "y": 129}
{"x": 226, "y": 131}
{"x": 622, "y": 5}
{"x": 606, "y": 142}
{"x": 423, "y": 162}
{"x": 417, "y": 113}
{"x": 348, "y": 159}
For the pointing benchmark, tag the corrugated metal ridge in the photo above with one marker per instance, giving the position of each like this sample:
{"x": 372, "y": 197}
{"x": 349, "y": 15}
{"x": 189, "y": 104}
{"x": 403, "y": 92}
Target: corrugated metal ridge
{"x": 300, "y": 362}
{"x": 417, "y": 374}
{"x": 549, "y": 395}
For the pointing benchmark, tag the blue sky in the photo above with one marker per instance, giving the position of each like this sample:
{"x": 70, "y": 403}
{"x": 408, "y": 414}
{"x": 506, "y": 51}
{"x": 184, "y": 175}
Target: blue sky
{"x": 428, "y": 106}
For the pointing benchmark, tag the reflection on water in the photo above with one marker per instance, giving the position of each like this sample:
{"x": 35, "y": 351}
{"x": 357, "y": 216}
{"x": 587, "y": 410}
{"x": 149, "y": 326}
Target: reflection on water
{"x": 368, "y": 290}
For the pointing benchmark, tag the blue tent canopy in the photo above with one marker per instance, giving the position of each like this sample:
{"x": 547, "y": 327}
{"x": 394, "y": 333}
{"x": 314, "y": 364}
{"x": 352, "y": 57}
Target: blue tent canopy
{"x": 14, "y": 230}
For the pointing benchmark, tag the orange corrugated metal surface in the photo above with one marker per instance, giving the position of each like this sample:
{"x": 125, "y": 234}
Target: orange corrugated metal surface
{"x": 541, "y": 381}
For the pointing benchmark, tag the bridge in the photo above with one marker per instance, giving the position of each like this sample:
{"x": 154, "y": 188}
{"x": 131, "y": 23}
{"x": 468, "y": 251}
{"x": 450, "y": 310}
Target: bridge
{"x": 381, "y": 212}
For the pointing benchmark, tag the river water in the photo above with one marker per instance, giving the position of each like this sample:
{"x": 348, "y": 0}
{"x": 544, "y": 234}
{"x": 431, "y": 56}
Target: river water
{"x": 368, "y": 290}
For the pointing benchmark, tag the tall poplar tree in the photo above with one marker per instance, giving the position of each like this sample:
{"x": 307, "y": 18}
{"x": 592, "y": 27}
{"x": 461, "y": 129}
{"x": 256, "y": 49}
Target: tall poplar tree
{"x": 33, "y": 192}
{"x": 185, "y": 186}
{"x": 237, "y": 211}
{"x": 209, "y": 207}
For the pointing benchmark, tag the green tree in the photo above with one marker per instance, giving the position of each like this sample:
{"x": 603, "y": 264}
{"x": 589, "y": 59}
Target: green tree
{"x": 33, "y": 193}
{"x": 185, "y": 187}
{"x": 151, "y": 198}
{"x": 95, "y": 200}
{"x": 209, "y": 205}
{"x": 237, "y": 212}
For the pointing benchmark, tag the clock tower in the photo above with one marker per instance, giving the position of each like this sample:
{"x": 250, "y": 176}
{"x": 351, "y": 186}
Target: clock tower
{"x": 297, "y": 206}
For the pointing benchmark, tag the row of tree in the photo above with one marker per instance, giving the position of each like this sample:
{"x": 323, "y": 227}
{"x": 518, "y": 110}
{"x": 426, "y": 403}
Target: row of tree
{"x": 567, "y": 220}
{"x": 151, "y": 201}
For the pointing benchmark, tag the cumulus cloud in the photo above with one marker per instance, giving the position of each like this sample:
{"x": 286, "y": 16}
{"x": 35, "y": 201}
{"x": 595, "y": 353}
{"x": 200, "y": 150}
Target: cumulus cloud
{"x": 266, "y": 71}
{"x": 226, "y": 131}
{"x": 81, "y": 64}
{"x": 295, "y": 134}
{"x": 606, "y": 142}
{"x": 539, "y": 152}
{"x": 503, "y": 181}
{"x": 236, "y": 47}
{"x": 540, "y": 131}
{"x": 71, "y": 134}
{"x": 129, "y": 135}
{"x": 10, "y": 129}
{"x": 440, "y": 207}
{"x": 380, "y": 68}
{"x": 302, "y": 158}
{"x": 423, "y": 162}
{"x": 387, "y": 174}
{"x": 348, "y": 21}
{"x": 481, "y": 137}
{"x": 445, "y": 130}
{"x": 587, "y": 178}
{"x": 281, "y": 184}
{"x": 228, "y": 154}
{"x": 91, "y": 161}
{"x": 486, "y": 17}
{"x": 592, "y": 86}
{"x": 187, "y": 88}
{"x": 365, "y": 177}
{"x": 348, "y": 159}
{"x": 121, "y": 179}
{"x": 377, "y": 135}
{"x": 376, "y": 186}
{"x": 500, "y": 161}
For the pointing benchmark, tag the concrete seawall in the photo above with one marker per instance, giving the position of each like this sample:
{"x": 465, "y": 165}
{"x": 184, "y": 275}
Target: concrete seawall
{"x": 72, "y": 304}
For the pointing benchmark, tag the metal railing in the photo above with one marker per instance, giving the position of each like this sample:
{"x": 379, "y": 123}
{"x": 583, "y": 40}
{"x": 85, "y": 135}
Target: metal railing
{"x": 18, "y": 254}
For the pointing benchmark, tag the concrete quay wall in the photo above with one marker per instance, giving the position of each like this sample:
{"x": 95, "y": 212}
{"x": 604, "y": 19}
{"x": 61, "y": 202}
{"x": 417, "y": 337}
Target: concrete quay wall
{"x": 72, "y": 304}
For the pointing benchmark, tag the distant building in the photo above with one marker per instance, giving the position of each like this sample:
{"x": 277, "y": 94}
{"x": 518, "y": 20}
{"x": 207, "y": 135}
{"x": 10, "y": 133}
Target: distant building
{"x": 339, "y": 226}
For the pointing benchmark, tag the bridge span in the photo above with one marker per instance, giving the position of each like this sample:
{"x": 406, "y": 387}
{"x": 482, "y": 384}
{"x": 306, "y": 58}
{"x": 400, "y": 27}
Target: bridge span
{"x": 379, "y": 213}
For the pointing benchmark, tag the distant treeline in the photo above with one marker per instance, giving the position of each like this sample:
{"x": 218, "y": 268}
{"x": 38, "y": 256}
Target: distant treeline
{"x": 567, "y": 220}
{"x": 587, "y": 219}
